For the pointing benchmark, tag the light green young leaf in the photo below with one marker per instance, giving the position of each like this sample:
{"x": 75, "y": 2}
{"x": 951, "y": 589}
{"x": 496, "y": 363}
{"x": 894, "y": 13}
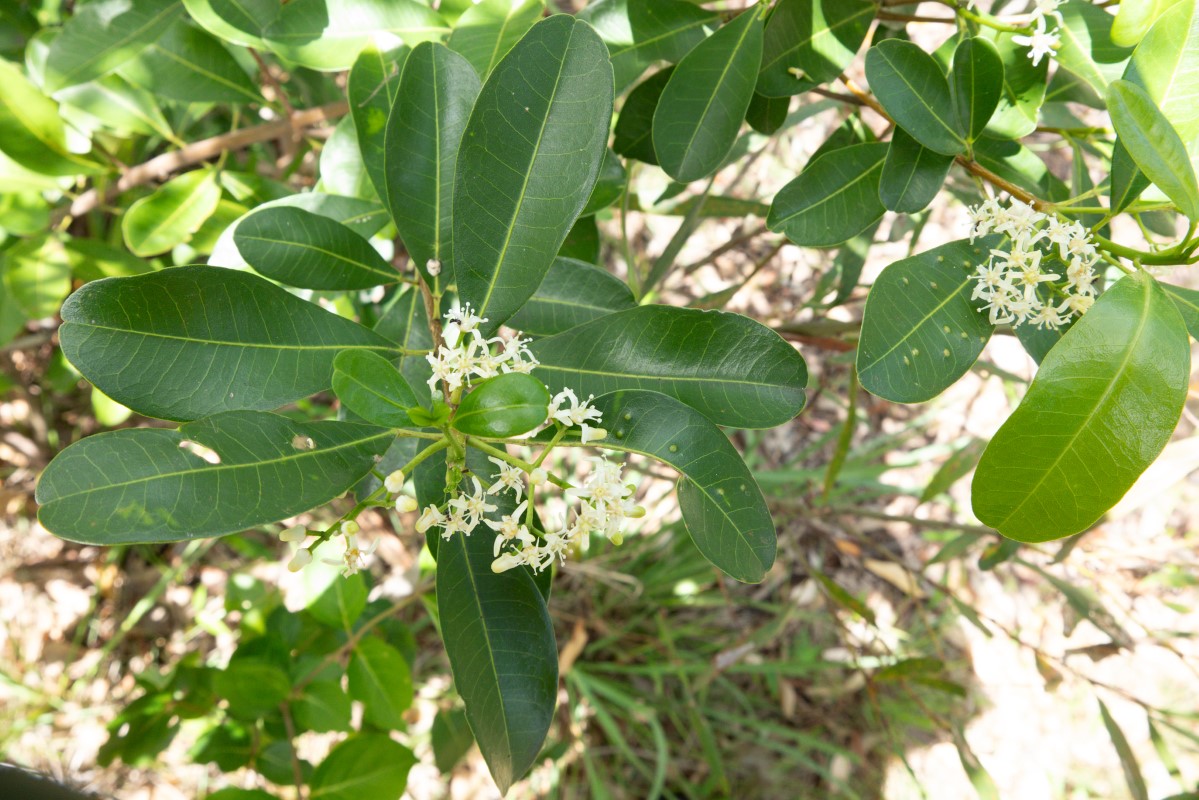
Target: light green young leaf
{"x": 31, "y": 129}
{"x": 238, "y": 21}
{"x": 819, "y": 38}
{"x": 310, "y": 251}
{"x": 328, "y": 34}
{"x": 369, "y": 766}
{"x": 37, "y": 275}
{"x": 190, "y": 66}
{"x": 169, "y": 216}
{"x": 1023, "y": 90}
{"x": 1069, "y": 452}
{"x": 323, "y": 706}
{"x": 104, "y": 34}
{"x": 1134, "y": 18}
{"x": 437, "y": 89}
{"x": 912, "y": 174}
{"x": 119, "y": 106}
{"x": 523, "y": 176}
{"x": 488, "y": 30}
{"x": 920, "y": 329}
{"x": 370, "y": 386}
{"x": 977, "y": 83}
{"x": 206, "y": 339}
{"x": 219, "y": 475}
{"x": 835, "y": 198}
{"x": 379, "y": 678}
{"x": 573, "y": 293}
{"x": 1154, "y": 144}
{"x": 730, "y": 368}
{"x": 506, "y": 405}
{"x": 1086, "y": 45}
{"x": 912, "y": 88}
{"x": 500, "y": 642}
{"x": 704, "y": 103}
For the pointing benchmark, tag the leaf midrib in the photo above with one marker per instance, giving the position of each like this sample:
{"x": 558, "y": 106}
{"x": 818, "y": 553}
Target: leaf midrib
{"x": 152, "y": 22}
{"x": 392, "y": 276}
{"x": 949, "y": 298}
{"x": 878, "y": 164}
{"x": 223, "y": 343}
{"x": 899, "y": 74}
{"x": 828, "y": 30}
{"x": 195, "y": 67}
{"x": 682, "y": 378}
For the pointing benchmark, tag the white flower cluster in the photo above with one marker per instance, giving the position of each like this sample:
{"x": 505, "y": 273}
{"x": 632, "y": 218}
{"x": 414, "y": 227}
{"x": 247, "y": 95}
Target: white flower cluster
{"x": 1042, "y": 41}
{"x": 604, "y": 504}
{"x": 352, "y": 560}
{"x": 1008, "y": 282}
{"x": 466, "y": 354}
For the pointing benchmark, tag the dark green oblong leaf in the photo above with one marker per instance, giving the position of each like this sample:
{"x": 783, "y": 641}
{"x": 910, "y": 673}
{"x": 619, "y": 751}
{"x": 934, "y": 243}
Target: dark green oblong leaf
{"x": 721, "y": 503}
{"x": 1154, "y": 144}
{"x": 500, "y": 642}
{"x": 169, "y": 216}
{"x": 189, "y": 65}
{"x": 572, "y": 293}
{"x": 437, "y": 90}
{"x": 920, "y": 330}
{"x": 487, "y": 30}
{"x": 310, "y": 251}
{"x": 819, "y": 38}
{"x": 529, "y": 159}
{"x": 102, "y": 35}
{"x": 506, "y": 405}
{"x": 835, "y": 198}
{"x": 1187, "y": 303}
{"x": 767, "y": 114}
{"x": 734, "y": 370}
{"x": 609, "y": 184}
{"x": 191, "y": 341}
{"x": 704, "y": 102}
{"x": 150, "y": 485}
{"x": 912, "y": 174}
{"x": 371, "y": 90}
{"x": 370, "y": 386}
{"x": 977, "y": 83}
{"x": 633, "y": 135}
{"x": 369, "y": 766}
{"x": 639, "y": 33}
{"x": 1099, "y": 411}
{"x": 329, "y": 34}
{"x": 911, "y": 87}
{"x": 380, "y": 679}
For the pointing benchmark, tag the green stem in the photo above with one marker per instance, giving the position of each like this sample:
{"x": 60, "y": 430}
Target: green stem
{"x": 503, "y": 455}
{"x": 553, "y": 442}
{"x": 983, "y": 18}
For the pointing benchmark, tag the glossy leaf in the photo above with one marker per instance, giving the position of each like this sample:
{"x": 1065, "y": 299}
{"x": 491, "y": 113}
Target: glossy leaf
{"x": 169, "y": 216}
{"x": 370, "y": 766}
{"x": 1023, "y": 90}
{"x": 488, "y": 29}
{"x": 1187, "y": 303}
{"x": 370, "y": 386}
{"x": 573, "y": 293}
{"x": 1070, "y": 452}
{"x": 328, "y": 34}
{"x": 730, "y": 368}
{"x": 341, "y": 167}
{"x": 911, "y": 87}
{"x": 977, "y": 83}
{"x": 500, "y": 642}
{"x": 633, "y": 135}
{"x": 158, "y": 485}
{"x": 118, "y": 105}
{"x": 835, "y": 198}
{"x": 190, "y": 66}
{"x": 191, "y": 341}
{"x": 1086, "y": 47}
{"x": 310, "y": 251}
{"x": 437, "y": 90}
{"x": 920, "y": 329}
{"x": 506, "y": 405}
{"x": 721, "y": 503}
{"x": 767, "y": 114}
{"x": 102, "y": 35}
{"x": 704, "y": 102}
{"x": 1134, "y": 18}
{"x": 818, "y": 38}
{"x": 237, "y": 21}
{"x": 523, "y": 176}
{"x": 1153, "y": 144}
{"x": 379, "y": 678}
{"x": 37, "y": 275}
{"x": 31, "y": 129}
{"x": 912, "y": 174}
{"x": 609, "y": 185}
{"x": 638, "y": 33}
{"x": 371, "y": 90}
{"x": 403, "y": 322}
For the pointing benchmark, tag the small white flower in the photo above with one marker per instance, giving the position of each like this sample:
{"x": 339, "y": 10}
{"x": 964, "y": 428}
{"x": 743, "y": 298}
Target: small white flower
{"x": 296, "y": 533}
{"x": 510, "y": 477}
{"x": 473, "y": 506}
{"x": 406, "y": 504}
{"x": 538, "y": 476}
{"x": 394, "y": 483}
{"x": 590, "y": 434}
{"x": 301, "y": 559}
{"x": 566, "y": 409}
{"x": 430, "y": 517}
{"x": 353, "y": 560}
{"x": 1041, "y": 42}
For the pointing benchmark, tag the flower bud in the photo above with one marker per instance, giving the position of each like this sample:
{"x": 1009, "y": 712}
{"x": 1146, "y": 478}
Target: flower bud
{"x": 538, "y": 476}
{"x": 406, "y": 504}
{"x": 590, "y": 434}
{"x": 637, "y": 513}
{"x": 394, "y": 483}
{"x": 430, "y": 517}
{"x": 301, "y": 559}
{"x": 296, "y": 533}
{"x": 349, "y": 528}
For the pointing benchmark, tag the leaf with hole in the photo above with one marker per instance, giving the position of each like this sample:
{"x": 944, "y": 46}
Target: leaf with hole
{"x": 1069, "y": 453}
